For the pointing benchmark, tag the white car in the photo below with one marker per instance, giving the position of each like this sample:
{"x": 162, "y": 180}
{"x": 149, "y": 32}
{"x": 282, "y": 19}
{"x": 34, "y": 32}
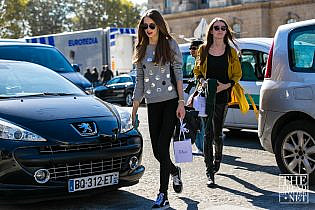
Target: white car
{"x": 254, "y": 54}
{"x": 287, "y": 99}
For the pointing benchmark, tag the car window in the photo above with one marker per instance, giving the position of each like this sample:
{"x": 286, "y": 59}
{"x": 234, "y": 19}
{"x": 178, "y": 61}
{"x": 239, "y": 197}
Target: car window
{"x": 248, "y": 63}
{"x": 22, "y": 79}
{"x": 188, "y": 64}
{"x": 302, "y": 49}
{"x": 125, "y": 79}
{"x": 45, "y": 56}
{"x": 252, "y": 64}
{"x": 113, "y": 81}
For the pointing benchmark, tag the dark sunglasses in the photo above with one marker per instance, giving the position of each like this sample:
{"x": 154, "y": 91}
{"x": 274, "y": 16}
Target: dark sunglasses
{"x": 217, "y": 28}
{"x": 193, "y": 48}
{"x": 151, "y": 26}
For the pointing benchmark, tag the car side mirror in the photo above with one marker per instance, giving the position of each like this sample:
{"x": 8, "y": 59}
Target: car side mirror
{"x": 76, "y": 67}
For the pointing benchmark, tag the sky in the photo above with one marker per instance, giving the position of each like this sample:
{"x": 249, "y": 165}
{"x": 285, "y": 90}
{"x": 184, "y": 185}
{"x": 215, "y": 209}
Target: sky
{"x": 139, "y": 1}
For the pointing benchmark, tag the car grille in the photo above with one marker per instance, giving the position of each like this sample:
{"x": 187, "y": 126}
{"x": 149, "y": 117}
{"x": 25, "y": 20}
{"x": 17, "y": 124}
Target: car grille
{"x": 82, "y": 147}
{"x": 62, "y": 172}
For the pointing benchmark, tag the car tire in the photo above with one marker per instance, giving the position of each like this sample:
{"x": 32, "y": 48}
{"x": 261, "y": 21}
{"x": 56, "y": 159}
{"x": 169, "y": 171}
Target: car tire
{"x": 295, "y": 156}
{"x": 128, "y": 99}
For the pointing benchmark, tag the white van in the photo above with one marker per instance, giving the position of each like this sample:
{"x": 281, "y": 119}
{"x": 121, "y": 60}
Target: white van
{"x": 254, "y": 55}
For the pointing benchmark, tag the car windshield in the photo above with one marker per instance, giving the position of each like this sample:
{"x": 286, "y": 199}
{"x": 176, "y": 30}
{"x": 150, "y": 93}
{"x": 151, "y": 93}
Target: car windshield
{"x": 45, "y": 56}
{"x": 23, "y": 79}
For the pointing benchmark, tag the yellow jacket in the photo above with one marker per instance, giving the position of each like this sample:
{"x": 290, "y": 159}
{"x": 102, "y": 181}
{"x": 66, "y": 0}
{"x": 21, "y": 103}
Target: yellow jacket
{"x": 234, "y": 73}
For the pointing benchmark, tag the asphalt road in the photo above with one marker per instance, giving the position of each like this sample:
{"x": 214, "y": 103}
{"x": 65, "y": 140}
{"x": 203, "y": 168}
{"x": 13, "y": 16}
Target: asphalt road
{"x": 248, "y": 179}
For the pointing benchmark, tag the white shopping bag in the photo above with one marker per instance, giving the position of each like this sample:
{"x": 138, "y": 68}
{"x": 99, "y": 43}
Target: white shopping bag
{"x": 200, "y": 105}
{"x": 182, "y": 148}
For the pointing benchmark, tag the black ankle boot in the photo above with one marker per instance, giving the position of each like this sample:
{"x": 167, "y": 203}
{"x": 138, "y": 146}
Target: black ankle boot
{"x": 210, "y": 182}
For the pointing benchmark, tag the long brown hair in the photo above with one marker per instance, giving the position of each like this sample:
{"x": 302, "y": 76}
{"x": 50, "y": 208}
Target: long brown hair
{"x": 228, "y": 36}
{"x": 163, "y": 50}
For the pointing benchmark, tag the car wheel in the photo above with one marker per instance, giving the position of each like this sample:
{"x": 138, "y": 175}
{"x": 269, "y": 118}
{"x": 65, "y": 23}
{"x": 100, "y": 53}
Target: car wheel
{"x": 295, "y": 149}
{"x": 128, "y": 99}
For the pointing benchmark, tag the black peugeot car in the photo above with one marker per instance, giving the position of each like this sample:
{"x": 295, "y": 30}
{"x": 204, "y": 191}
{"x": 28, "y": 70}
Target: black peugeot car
{"x": 55, "y": 140}
{"x": 119, "y": 89}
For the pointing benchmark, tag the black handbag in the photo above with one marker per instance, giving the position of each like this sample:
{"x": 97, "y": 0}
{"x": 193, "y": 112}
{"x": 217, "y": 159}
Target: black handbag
{"x": 192, "y": 124}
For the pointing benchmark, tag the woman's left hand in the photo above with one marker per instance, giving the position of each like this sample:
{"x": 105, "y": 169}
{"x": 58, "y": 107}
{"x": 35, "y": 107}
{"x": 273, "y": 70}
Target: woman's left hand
{"x": 180, "y": 112}
{"x": 222, "y": 86}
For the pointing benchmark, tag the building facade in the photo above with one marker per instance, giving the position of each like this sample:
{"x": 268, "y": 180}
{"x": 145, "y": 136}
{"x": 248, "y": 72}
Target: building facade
{"x": 248, "y": 18}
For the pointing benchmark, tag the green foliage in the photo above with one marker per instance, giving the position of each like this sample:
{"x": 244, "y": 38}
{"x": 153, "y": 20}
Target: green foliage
{"x": 19, "y": 18}
{"x": 12, "y": 18}
{"x": 46, "y": 16}
{"x": 103, "y": 13}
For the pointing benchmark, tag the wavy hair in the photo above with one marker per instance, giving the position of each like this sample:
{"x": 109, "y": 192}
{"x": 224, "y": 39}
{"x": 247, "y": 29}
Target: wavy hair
{"x": 163, "y": 50}
{"x": 228, "y": 37}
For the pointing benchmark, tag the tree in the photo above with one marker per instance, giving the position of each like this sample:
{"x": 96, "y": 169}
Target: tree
{"x": 12, "y": 18}
{"x": 47, "y": 17}
{"x": 103, "y": 13}
{"x": 19, "y": 18}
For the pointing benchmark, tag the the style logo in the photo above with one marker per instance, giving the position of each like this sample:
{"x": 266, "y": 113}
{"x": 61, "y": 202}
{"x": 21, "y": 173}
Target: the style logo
{"x": 293, "y": 188}
{"x": 85, "y": 128}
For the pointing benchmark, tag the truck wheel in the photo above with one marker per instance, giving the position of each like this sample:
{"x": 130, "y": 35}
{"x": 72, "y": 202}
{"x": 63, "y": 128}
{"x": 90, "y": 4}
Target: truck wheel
{"x": 128, "y": 99}
{"x": 295, "y": 149}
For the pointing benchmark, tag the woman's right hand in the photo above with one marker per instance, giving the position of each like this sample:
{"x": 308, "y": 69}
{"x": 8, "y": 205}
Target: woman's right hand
{"x": 203, "y": 82}
{"x": 134, "y": 119}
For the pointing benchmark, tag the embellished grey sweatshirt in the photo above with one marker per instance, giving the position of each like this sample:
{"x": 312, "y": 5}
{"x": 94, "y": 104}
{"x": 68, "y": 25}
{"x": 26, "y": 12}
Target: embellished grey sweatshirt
{"x": 153, "y": 81}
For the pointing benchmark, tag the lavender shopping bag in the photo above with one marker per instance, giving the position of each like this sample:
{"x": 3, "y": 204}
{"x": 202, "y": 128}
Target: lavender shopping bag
{"x": 182, "y": 148}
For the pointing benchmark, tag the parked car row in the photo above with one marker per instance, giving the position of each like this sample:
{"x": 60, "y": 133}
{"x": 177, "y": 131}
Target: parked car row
{"x": 58, "y": 140}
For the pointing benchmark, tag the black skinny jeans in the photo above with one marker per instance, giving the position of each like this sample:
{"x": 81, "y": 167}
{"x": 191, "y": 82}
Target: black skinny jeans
{"x": 162, "y": 120}
{"x": 214, "y": 134}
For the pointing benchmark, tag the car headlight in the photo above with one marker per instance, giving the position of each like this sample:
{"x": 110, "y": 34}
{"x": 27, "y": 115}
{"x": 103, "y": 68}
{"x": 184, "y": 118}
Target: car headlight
{"x": 9, "y": 131}
{"x": 125, "y": 120}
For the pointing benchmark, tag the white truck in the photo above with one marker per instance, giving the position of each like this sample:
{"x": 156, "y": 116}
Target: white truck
{"x": 94, "y": 48}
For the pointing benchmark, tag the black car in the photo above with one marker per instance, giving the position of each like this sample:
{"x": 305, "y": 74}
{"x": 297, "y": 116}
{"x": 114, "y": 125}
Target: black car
{"x": 119, "y": 89}
{"x": 45, "y": 55}
{"x": 55, "y": 140}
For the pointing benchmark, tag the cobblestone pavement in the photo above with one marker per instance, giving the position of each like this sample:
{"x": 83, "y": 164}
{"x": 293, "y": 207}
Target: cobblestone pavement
{"x": 248, "y": 179}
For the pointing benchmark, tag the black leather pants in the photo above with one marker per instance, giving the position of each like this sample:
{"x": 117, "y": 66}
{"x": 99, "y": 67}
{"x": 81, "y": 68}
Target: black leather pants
{"x": 213, "y": 134}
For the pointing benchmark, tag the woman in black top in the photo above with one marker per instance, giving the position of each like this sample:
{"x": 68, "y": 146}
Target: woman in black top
{"x": 217, "y": 60}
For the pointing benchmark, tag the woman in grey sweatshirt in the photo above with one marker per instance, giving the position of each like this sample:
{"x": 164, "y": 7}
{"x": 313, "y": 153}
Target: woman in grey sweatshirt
{"x": 156, "y": 55}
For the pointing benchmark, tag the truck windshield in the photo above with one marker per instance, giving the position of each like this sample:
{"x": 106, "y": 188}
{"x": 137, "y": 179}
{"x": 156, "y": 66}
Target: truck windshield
{"x": 45, "y": 56}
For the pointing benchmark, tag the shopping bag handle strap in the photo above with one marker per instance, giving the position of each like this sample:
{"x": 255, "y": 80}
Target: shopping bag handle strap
{"x": 182, "y": 129}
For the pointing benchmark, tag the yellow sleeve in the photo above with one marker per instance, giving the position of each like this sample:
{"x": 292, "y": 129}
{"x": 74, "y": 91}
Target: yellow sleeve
{"x": 197, "y": 71}
{"x": 236, "y": 67}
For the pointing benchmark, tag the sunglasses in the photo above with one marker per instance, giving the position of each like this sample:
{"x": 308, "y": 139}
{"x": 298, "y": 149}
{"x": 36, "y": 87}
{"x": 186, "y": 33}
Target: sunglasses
{"x": 217, "y": 28}
{"x": 193, "y": 48}
{"x": 151, "y": 26}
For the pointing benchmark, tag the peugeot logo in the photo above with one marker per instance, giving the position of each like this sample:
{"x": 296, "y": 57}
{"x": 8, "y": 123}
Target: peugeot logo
{"x": 85, "y": 128}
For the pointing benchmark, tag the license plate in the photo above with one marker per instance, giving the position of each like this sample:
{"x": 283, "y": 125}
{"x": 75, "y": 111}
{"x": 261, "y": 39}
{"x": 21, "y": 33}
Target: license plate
{"x": 90, "y": 182}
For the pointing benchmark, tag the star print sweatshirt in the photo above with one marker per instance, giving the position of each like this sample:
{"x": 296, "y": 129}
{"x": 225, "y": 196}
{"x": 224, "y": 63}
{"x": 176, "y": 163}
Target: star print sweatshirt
{"x": 153, "y": 81}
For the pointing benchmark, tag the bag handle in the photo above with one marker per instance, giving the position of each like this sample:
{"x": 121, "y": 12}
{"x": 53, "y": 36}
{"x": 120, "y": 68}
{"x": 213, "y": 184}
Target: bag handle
{"x": 182, "y": 129}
